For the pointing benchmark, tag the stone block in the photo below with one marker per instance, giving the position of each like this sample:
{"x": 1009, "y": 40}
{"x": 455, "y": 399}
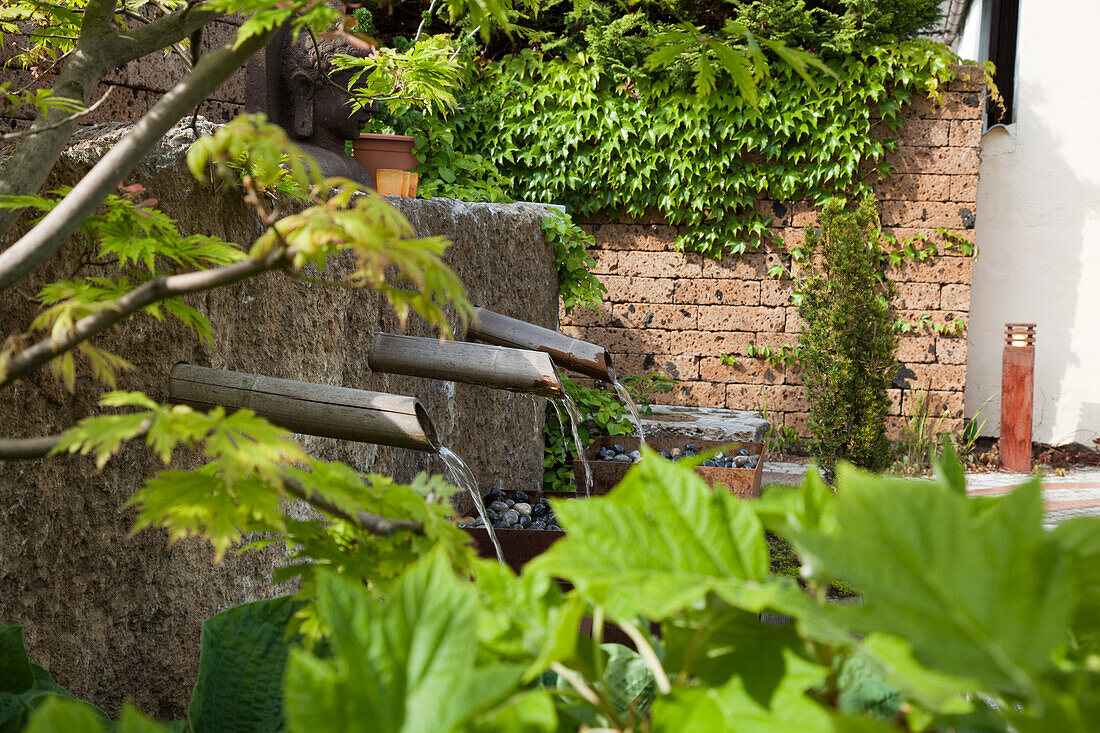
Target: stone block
{"x": 707, "y": 343}
{"x": 925, "y": 133}
{"x": 747, "y": 266}
{"x": 930, "y": 214}
{"x": 622, "y": 289}
{"x": 916, "y": 349}
{"x": 918, "y": 296}
{"x": 955, "y": 298}
{"x": 951, "y": 350}
{"x": 966, "y": 133}
{"x": 776, "y": 292}
{"x": 964, "y": 189}
{"x": 714, "y": 291}
{"x": 743, "y": 318}
{"x": 637, "y": 237}
{"x": 649, "y": 315}
{"x": 915, "y": 187}
{"x": 698, "y": 394}
{"x": 659, "y": 264}
{"x": 934, "y": 161}
{"x": 944, "y": 270}
{"x": 746, "y": 370}
{"x": 672, "y": 365}
{"x": 935, "y": 377}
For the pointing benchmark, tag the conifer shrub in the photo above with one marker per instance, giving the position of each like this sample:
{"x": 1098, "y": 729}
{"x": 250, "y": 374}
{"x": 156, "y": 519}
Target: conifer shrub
{"x": 848, "y": 343}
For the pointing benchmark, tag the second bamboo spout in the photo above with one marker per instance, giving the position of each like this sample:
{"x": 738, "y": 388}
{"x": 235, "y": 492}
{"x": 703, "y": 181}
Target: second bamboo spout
{"x": 516, "y": 370}
{"x": 573, "y": 354}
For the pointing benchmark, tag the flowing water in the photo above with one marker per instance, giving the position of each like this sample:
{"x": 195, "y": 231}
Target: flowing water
{"x": 463, "y": 477}
{"x": 574, "y": 423}
{"x": 632, "y": 408}
{"x": 561, "y": 426}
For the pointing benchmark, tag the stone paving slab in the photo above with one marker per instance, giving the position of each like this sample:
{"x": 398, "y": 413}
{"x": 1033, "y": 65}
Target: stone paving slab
{"x": 1073, "y": 494}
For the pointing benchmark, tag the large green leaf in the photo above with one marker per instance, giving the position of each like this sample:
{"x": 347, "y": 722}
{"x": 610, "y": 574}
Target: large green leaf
{"x": 15, "y": 709}
{"x": 765, "y": 694}
{"x": 979, "y": 589}
{"x": 659, "y": 542}
{"x": 1080, "y": 539}
{"x": 241, "y": 664}
{"x": 408, "y": 663}
{"x": 16, "y": 675}
{"x": 58, "y": 713}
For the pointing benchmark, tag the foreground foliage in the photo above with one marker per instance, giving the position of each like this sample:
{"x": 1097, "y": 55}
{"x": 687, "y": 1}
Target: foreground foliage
{"x": 973, "y": 616}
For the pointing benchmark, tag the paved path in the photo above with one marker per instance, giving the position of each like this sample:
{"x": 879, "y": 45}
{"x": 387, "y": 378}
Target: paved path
{"x": 1075, "y": 494}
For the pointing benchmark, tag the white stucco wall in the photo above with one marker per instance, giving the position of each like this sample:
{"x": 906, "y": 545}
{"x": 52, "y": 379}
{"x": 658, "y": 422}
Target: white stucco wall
{"x": 1038, "y": 226}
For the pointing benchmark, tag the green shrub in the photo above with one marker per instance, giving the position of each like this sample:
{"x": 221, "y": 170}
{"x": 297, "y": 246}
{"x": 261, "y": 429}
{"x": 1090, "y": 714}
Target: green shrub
{"x": 848, "y": 343}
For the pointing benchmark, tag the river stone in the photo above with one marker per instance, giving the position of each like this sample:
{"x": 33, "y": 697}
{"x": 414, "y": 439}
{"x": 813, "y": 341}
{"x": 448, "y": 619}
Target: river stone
{"x": 116, "y": 617}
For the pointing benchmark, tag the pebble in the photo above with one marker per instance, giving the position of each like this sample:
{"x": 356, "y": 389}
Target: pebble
{"x": 523, "y": 508}
{"x": 618, "y": 448}
{"x": 624, "y": 458}
{"x": 521, "y": 496}
{"x": 541, "y": 509}
{"x": 510, "y": 503}
{"x": 676, "y": 453}
{"x": 524, "y": 522}
{"x": 742, "y": 452}
{"x": 498, "y": 506}
{"x": 741, "y": 461}
{"x": 511, "y": 516}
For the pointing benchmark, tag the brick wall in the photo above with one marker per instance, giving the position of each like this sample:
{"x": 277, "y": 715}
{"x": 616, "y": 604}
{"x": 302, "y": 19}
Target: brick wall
{"x": 139, "y": 84}
{"x": 678, "y": 311}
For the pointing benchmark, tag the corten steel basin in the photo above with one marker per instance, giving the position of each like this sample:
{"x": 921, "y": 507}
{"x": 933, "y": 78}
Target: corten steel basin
{"x": 519, "y": 545}
{"x": 744, "y": 482}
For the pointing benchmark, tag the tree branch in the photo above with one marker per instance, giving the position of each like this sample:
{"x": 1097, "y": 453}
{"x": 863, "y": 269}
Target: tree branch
{"x": 19, "y": 449}
{"x": 43, "y": 240}
{"x": 155, "y": 290}
{"x": 88, "y": 63}
{"x": 372, "y": 523}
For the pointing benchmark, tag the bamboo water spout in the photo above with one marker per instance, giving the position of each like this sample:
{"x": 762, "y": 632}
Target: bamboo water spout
{"x": 311, "y": 409}
{"x": 517, "y": 370}
{"x": 573, "y": 354}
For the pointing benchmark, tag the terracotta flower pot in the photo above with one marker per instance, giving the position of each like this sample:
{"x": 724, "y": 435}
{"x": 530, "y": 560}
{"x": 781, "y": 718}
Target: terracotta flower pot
{"x": 393, "y": 152}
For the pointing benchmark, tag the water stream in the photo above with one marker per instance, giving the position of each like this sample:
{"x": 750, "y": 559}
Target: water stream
{"x": 574, "y": 423}
{"x": 632, "y": 408}
{"x": 561, "y": 427}
{"x": 463, "y": 477}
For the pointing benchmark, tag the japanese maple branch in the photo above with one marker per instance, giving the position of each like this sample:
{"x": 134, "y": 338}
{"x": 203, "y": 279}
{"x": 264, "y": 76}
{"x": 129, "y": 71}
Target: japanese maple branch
{"x": 153, "y": 291}
{"x": 17, "y": 449}
{"x": 99, "y": 50}
{"x": 44, "y": 239}
{"x": 372, "y": 523}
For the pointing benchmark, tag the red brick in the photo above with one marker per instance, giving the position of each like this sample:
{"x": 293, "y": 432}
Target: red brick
{"x": 966, "y": 133}
{"x": 659, "y": 264}
{"x": 940, "y": 404}
{"x": 924, "y": 214}
{"x": 954, "y": 106}
{"x": 970, "y": 78}
{"x": 955, "y": 298}
{"x": 895, "y": 396}
{"x": 650, "y": 238}
{"x": 707, "y": 343}
{"x": 933, "y": 161}
{"x": 606, "y": 262}
{"x": 937, "y": 270}
{"x": 913, "y": 187}
{"x": 745, "y": 318}
{"x": 937, "y": 377}
{"x": 602, "y": 316}
{"x": 951, "y": 350}
{"x": 638, "y": 289}
{"x": 782, "y": 398}
{"x": 794, "y": 321}
{"x": 673, "y": 365}
{"x": 631, "y": 340}
{"x": 917, "y": 296}
{"x": 748, "y": 266}
{"x": 916, "y": 349}
{"x": 775, "y": 340}
{"x": 964, "y": 189}
{"x": 776, "y": 292}
{"x": 924, "y": 133}
{"x": 713, "y": 291}
{"x": 746, "y": 370}
{"x": 696, "y": 394}
{"x": 799, "y": 422}
{"x": 669, "y": 317}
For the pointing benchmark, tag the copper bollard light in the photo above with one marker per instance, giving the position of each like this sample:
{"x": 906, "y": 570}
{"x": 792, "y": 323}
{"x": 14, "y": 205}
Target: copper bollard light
{"x": 1017, "y": 388}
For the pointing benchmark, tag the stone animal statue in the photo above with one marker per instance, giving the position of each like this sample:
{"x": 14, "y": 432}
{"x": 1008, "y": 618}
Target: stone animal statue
{"x": 295, "y": 84}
